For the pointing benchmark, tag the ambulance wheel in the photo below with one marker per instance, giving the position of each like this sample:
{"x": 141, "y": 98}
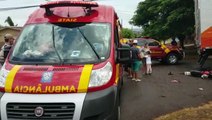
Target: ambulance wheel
{"x": 172, "y": 59}
{"x": 118, "y": 112}
{"x": 118, "y": 108}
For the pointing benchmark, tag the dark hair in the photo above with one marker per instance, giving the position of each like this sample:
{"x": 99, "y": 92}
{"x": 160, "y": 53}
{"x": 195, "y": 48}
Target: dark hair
{"x": 6, "y": 39}
{"x": 148, "y": 52}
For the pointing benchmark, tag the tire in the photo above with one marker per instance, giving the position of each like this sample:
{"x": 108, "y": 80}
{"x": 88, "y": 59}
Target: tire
{"x": 118, "y": 107}
{"x": 172, "y": 59}
{"x": 118, "y": 112}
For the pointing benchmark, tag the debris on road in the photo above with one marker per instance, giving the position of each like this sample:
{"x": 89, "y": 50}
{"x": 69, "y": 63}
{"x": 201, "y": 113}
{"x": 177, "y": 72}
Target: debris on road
{"x": 199, "y": 73}
{"x": 175, "y": 81}
{"x": 187, "y": 73}
{"x": 170, "y": 73}
{"x": 204, "y": 76}
{"x": 201, "y": 89}
{"x": 163, "y": 96}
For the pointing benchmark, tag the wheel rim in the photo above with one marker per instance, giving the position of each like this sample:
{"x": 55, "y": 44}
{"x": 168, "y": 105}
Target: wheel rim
{"x": 172, "y": 59}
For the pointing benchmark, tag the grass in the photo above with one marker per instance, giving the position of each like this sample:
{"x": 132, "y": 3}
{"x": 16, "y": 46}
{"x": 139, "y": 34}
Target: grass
{"x": 199, "y": 113}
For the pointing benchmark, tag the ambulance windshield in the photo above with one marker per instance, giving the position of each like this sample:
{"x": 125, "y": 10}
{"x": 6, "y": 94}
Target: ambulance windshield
{"x": 62, "y": 43}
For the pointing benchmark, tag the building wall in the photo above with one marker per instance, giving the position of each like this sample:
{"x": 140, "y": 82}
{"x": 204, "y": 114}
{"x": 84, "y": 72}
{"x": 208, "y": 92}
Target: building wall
{"x": 14, "y": 32}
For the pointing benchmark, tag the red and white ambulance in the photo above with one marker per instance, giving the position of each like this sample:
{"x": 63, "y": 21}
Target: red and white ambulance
{"x": 65, "y": 65}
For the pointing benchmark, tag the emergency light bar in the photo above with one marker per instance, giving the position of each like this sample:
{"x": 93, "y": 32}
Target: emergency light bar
{"x": 53, "y": 4}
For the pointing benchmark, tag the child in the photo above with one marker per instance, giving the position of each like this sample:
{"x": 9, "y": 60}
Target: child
{"x": 145, "y": 51}
{"x": 148, "y": 63}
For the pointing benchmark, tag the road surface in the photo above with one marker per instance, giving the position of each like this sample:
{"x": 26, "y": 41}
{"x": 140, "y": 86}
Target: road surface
{"x": 158, "y": 94}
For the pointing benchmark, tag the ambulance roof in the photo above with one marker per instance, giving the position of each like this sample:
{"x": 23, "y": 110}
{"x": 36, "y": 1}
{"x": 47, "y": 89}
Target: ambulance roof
{"x": 102, "y": 13}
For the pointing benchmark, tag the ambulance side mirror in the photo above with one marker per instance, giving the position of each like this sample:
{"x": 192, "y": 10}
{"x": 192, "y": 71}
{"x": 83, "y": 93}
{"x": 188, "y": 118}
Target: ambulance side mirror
{"x": 124, "y": 55}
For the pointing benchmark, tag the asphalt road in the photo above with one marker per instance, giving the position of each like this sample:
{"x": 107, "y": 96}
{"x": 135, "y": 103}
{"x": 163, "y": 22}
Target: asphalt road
{"x": 157, "y": 95}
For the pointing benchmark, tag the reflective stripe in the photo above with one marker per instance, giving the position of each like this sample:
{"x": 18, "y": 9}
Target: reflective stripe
{"x": 165, "y": 48}
{"x": 10, "y": 78}
{"x": 85, "y": 78}
{"x": 117, "y": 73}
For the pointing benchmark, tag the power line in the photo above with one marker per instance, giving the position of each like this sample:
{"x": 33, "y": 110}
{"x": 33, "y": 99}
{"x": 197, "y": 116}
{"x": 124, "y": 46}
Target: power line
{"x": 15, "y": 8}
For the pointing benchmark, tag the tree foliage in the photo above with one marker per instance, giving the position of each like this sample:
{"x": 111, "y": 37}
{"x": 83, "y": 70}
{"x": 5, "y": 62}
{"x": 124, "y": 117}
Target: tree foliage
{"x": 163, "y": 19}
{"x": 127, "y": 33}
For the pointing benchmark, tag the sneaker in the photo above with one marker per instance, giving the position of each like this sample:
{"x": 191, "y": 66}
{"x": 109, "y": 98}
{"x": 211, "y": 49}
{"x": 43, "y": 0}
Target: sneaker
{"x": 138, "y": 80}
{"x": 133, "y": 79}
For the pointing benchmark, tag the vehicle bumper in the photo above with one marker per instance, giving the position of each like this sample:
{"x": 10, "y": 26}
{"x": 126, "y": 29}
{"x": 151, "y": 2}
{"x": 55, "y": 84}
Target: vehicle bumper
{"x": 88, "y": 106}
{"x": 100, "y": 105}
{"x": 1, "y": 94}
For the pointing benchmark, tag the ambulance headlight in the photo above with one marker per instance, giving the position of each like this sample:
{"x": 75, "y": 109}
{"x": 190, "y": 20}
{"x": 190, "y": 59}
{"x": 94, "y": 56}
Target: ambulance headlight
{"x": 3, "y": 76}
{"x": 101, "y": 76}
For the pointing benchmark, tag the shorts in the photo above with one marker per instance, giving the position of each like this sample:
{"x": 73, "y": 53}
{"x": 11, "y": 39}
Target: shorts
{"x": 136, "y": 66}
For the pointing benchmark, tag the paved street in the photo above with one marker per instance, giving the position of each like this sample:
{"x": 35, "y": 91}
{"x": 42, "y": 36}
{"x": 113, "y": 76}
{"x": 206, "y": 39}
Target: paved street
{"x": 156, "y": 95}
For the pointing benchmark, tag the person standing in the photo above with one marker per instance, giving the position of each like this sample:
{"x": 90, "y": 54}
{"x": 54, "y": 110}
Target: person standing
{"x": 9, "y": 40}
{"x": 143, "y": 60}
{"x": 146, "y": 49}
{"x": 136, "y": 61}
{"x": 148, "y": 63}
{"x": 127, "y": 66}
{"x": 174, "y": 42}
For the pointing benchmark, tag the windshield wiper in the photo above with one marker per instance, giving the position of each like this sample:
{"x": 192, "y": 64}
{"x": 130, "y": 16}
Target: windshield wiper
{"x": 61, "y": 61}
{"x": 97, "y": 55}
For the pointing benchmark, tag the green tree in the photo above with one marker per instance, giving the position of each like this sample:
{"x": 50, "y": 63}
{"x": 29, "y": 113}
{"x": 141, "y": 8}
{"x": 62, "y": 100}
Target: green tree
{"x": 9, "y": 21}
{"x": 162, "y": 19}
{"x": 127, "y": 33}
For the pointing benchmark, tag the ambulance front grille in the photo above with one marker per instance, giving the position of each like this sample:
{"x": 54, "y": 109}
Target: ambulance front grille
{"x": 53, "y": 111}
{"x": 65, "y": 69}
{"x": 34, "y": 69}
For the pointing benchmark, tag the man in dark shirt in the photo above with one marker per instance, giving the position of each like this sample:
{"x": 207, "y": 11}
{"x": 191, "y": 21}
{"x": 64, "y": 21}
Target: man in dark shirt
{"x": 128, "y": 65}
{"x": 136, "y": 61}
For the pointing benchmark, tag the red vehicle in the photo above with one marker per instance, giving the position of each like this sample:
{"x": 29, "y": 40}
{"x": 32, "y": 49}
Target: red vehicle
{"x": 166, "y": 53}
{"x": 65, "y": 65}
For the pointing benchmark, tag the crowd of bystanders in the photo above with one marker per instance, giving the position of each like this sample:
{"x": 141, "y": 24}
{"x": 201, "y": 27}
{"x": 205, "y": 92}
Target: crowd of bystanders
{"x": 140, "y": 62}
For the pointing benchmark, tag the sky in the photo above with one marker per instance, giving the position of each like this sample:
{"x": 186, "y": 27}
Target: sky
{"x": 124, "y": 8}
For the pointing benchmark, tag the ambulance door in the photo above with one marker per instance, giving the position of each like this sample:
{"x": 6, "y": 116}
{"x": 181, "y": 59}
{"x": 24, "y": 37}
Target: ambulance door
{"x": 119, "y": 67}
